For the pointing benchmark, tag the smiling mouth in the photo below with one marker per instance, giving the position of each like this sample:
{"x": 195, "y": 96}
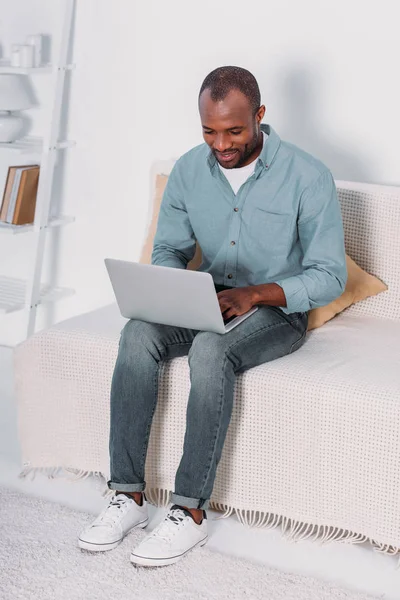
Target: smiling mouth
{"x": 226, "y": 156}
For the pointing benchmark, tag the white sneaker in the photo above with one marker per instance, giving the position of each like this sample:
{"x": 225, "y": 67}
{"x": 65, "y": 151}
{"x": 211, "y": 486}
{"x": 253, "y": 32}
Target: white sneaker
{"x": 111, "y": 526}
{"x": 174, "y": 537}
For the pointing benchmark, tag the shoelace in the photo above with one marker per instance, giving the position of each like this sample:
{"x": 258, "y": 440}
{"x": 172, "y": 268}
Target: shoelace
{"x": 110, "y": 516}
{"x": 163, "y": 530}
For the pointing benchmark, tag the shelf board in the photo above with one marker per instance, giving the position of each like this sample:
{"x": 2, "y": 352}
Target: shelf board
{"x": 32, "y": 145}
{"x": 12, "y": 294}
{"x": 58, "y": 221}
{"x": 5, "y": 67}
{"x": 28, "y": 145}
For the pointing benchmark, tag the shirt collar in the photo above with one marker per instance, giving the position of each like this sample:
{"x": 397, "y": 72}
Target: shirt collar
{"x": 267, "y": 154}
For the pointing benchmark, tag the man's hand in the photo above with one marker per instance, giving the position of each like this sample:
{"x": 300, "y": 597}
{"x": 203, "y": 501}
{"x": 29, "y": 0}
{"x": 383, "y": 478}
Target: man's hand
{"x": 237, "y": 301}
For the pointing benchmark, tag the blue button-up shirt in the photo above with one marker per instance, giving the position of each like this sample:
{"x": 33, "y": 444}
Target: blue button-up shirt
{"x": 283, "y": 226}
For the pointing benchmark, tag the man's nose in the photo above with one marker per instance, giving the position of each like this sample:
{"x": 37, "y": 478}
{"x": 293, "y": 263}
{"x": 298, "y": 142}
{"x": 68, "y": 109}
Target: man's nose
{"x": 221, "y": 143}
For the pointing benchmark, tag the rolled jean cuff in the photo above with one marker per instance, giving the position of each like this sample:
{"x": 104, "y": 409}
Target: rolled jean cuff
{"x": 200, "y": 503}
{"x": 126, "y": 487}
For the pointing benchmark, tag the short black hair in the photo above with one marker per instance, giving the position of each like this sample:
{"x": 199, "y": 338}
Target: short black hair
{"x": 224, "y": 79}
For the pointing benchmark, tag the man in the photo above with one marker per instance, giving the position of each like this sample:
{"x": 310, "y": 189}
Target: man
{"x": 268, "y": 221}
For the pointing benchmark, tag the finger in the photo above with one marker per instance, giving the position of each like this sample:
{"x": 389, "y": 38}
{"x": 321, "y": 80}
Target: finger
{"x": 224, "y": 307}
{"x": 222, "y": 295}
{"x": 224, "y": 304}
{"x": 229, "y": 313}
{"x": 229, "y": 310}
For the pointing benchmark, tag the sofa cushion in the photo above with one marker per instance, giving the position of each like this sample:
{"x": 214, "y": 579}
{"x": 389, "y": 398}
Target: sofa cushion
{"x": 360, "y": 285}
{"x": 371, "y": 217}
{"x": 348, "y": 351}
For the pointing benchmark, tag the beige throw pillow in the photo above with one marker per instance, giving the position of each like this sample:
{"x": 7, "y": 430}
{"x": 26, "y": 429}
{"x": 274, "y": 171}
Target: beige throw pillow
{"x": 360, "y": 284}
{"x": 145, "y": 258}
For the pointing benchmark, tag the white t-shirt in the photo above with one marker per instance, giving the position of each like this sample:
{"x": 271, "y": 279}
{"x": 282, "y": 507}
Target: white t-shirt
{"x": 237, "y": 177}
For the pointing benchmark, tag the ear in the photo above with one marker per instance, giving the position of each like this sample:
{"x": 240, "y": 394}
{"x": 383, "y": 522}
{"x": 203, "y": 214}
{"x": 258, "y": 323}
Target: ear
{"x": 260, "y": 114}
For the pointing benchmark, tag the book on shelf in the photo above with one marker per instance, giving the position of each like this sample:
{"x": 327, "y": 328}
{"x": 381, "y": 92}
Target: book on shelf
{"x": 20, "y": 192}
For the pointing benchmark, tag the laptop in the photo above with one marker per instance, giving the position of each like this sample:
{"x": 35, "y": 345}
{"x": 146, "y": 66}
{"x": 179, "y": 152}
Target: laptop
{"x": 169, "y": 296}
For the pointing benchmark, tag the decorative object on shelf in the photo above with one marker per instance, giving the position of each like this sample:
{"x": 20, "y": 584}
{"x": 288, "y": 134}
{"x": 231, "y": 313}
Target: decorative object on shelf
{"x": 26, "y": 55}
{"x": 36, "y": 41}
{"x": 15, "y": 57}
{"x": 14, "y": 96}
{"x": 19, "y": 199}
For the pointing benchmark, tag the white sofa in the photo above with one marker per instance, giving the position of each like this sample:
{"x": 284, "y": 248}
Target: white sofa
{"x": 313, "y": 444}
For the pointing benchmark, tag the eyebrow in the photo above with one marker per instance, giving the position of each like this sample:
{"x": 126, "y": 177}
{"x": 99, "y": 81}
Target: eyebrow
{"x": 229, "y": 129}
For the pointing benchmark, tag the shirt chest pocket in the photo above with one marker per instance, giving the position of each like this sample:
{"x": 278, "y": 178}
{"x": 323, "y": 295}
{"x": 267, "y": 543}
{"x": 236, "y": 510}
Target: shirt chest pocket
{"x": 271, "y": 230}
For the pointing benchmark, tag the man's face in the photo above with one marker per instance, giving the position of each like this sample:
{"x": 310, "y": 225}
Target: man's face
{"x": 230, "y": 128}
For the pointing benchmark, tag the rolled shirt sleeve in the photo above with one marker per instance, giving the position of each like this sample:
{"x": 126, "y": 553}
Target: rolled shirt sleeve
{"x": 174, "y": 242}
{"x": 321, "y": 235}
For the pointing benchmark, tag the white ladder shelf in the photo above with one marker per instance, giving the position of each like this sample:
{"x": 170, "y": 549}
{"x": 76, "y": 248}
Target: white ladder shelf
{"x": 26, "y": 295}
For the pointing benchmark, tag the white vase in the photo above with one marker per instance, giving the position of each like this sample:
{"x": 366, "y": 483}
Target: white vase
{"x": 26, "y": 55}
{"x": 10, "y": 126}
{"x": 15, "y": 58}
{"x": 36, "y": 40}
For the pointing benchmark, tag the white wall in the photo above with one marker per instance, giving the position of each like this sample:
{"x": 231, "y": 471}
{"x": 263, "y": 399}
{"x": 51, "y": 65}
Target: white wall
{"x": 328, "y": 76}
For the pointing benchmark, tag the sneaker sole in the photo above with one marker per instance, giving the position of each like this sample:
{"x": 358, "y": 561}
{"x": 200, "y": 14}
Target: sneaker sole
{"x": 146, "y": 561}
{"x": 104, "y": 547}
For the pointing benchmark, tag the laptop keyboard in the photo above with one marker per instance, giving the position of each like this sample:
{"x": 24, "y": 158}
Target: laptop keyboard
{"x": 229, "y": 319}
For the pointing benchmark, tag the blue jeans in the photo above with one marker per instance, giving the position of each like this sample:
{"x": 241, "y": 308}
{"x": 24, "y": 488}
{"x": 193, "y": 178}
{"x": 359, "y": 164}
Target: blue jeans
{"x": 214, "y": 360}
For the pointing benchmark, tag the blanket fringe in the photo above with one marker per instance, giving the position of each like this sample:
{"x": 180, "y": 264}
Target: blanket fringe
{"x": 71, "y": 475}
{"x": 292, "y": 529}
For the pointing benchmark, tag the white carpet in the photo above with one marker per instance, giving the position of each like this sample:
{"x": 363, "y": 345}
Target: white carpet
{"x": 40, "y": 559}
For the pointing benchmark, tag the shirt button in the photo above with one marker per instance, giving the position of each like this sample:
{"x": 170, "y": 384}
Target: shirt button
{"x": 233, "y": 243}
{"x": 230, "y": 276}
{"x": 235, "y": 209}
